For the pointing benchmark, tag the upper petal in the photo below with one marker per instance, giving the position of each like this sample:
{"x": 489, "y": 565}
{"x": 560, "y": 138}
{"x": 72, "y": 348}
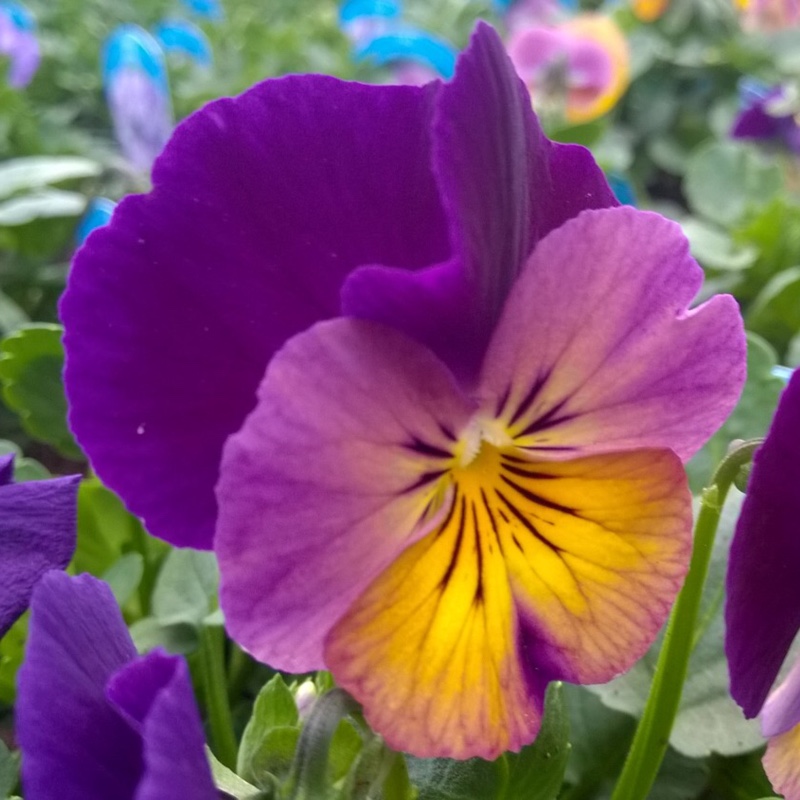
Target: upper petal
{"x": 597, "y": 352}
{"x": 261, "y": 206}
{"x": 77, "y": 747}
{"x": 331, "y": 476}
{"x": 37, "y": 534}
{"x": 154, "y": 693}
{"x": 763, "y": 604}
{"x": 504, "y": 185}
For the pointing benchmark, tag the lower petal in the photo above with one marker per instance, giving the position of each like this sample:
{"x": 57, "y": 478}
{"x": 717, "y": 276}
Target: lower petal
{"x": 540, "y": 572}
{"x": 782, "y": 765}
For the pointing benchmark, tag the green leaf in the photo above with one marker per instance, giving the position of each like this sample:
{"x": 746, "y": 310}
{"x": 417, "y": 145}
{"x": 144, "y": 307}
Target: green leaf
{"x": 9, "y": 771}
{"x": 775, "y": 313}
{"x": 740, "y": 777}
{"x": 12, "y": 651}
{"x": 104, "y": 528}
{"x": 179, "y": 639}
{"x": 751, "y": 417}
{"x": 715, "y": 249}
{"x": 446, "y": 779}
{"x": 726, "y": 180}
{"x": 25, "y": 469}
{"x": 229, "y": 782}
{"x": 12, "y": 316}
{"x": 185, "y": 587}
{"x": 537, "y": 771}
{"x": 274, "y": 707}
{"x": 34, "y": 172}
{"x": 42, "y": 204}
{"x": 31, "y": 363}
{"x": 124, "y": 576}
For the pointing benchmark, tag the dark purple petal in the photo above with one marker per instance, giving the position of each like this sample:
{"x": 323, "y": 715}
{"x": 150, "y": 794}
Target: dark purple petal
{"x": 76, "y": 745}
{"x": 504, "y": 186}
{"x": 155, "y": 694}
{"x": 763, "y": 606}
{"x": 37, "y": 534}
{"x": 755, "y": 123}
{"x": 6, "y": 469}
{"x": 261, "y": 207}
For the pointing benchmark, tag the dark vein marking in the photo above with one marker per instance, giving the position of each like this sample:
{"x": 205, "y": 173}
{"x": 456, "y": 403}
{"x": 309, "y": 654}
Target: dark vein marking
{"x": 425, "y": 478}
{"x": 527, "y": 401}
{"x": 456, "y": 550}
{"x": 535, "y": 498}
{"x": 426, "y": 449}
{"x": 526, "y": 522}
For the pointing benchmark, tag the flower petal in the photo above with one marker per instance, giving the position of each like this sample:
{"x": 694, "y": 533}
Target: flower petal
{"x": 77, "y": 747}
{"x": 38, "y": 525}
{"x": 559, "y": 570}
{"x": 618, "y": 361}
{"x": 331, "y": 476}
{"x": 155, "y": 694}
{"x": 504, "y": 186}
{"x": 782, "y": 764}
{"x": 763, "y": 606}
{"x": 261, "y": 206}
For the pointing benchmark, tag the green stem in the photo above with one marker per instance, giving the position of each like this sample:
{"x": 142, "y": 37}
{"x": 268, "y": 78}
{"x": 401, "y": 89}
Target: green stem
{"x": 652, "y": 735}
{"x": 220, "y": 722}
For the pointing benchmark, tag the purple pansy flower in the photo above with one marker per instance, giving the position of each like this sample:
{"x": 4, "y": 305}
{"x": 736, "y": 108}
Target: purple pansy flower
{"x": 94, "y": 720}
{"x": 453, "y": 382}
{"x": 19, "y": 43}
{"x": 764, "y": 117}
{"x": 37, "y": 534}
{"x": 763, "y": 606}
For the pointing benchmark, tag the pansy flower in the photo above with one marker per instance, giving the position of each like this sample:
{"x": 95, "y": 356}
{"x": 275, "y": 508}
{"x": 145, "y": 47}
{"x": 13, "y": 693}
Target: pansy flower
{"x": 578, "y": 69}
{"x": 37, "y": 534}
{"x": 769, "y": 114}
{"x": 94, "y": 720}
{"x": 19, "y": 43}
{"x": 763, "y": 605}
{"x": 453, "y": 382}
{"x": 770, "y": 15}
{"x": 137, "y": 90}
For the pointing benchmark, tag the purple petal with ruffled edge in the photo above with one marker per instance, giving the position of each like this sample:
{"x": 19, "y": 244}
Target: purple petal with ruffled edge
{"x": 76, "y": 745}
{"x": 504, "y": 186}
{"x": 37, "y": 534}
{"x": 357, "y": 412}
{"x": 763, "y": 607}
{"x": 154, "y": 693}
{"x": 651, "y": 374}
{"x": 95, "y": 721}
{"x": 261, "y": 206}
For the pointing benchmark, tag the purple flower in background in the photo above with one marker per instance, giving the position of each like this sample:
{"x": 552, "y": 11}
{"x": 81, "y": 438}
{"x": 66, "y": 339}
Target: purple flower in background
{"x": 19, "y": 43}
{"x": 94, "y": 720}
{"x": 37, "y": 534}
{"x": 135, "y": 80}
{"x": 453, "y": 382}
{"x": 770, "y": 114}
{"x": 763, "y": 606}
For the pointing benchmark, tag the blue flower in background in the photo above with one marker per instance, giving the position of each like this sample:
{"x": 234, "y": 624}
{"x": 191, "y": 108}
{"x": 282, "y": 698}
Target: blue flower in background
{"x": 137, "y": 90}
{"x": 210, "y": 9}
{"x": 98, "y": 213}
{"x": 622, "y": 188}
{"x": 405, "y": 47}
{"x": 19, "y": 43}
{"x": 186, "y": 39}
{"x": 364, "y": 20}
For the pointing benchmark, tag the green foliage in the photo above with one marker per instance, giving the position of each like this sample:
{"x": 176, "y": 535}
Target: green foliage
{"x": 31, "y": 362}
{"x": 9, "y": 771}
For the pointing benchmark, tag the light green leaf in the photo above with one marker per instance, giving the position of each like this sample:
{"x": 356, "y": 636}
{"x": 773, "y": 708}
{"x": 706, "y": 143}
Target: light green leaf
{"x": 775, "y": 313}
{"x": 25, "y": 469}
{"x": 537, "y": 771}
{"x": 41, "y": 204}
{"x": 185, "y": 587}
{"x": 124, "y": 576}
{"x": 229, "y": 782}
{"x": 12, "y": 316}
{"x": 34, "y": 172}
{"x": 726, "y": 180}
{"x": 179, "y": 639}
{"x": 715, "y": 249}
{"x": 274, "y": 707}
{"x": 9, "y": 771}
{"x": 31, "y": 363}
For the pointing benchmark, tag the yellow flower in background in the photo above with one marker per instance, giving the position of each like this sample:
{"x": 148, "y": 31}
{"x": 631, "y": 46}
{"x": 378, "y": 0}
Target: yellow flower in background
{"x": 650, "y": 10}
{"x": 579, "y": 68}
